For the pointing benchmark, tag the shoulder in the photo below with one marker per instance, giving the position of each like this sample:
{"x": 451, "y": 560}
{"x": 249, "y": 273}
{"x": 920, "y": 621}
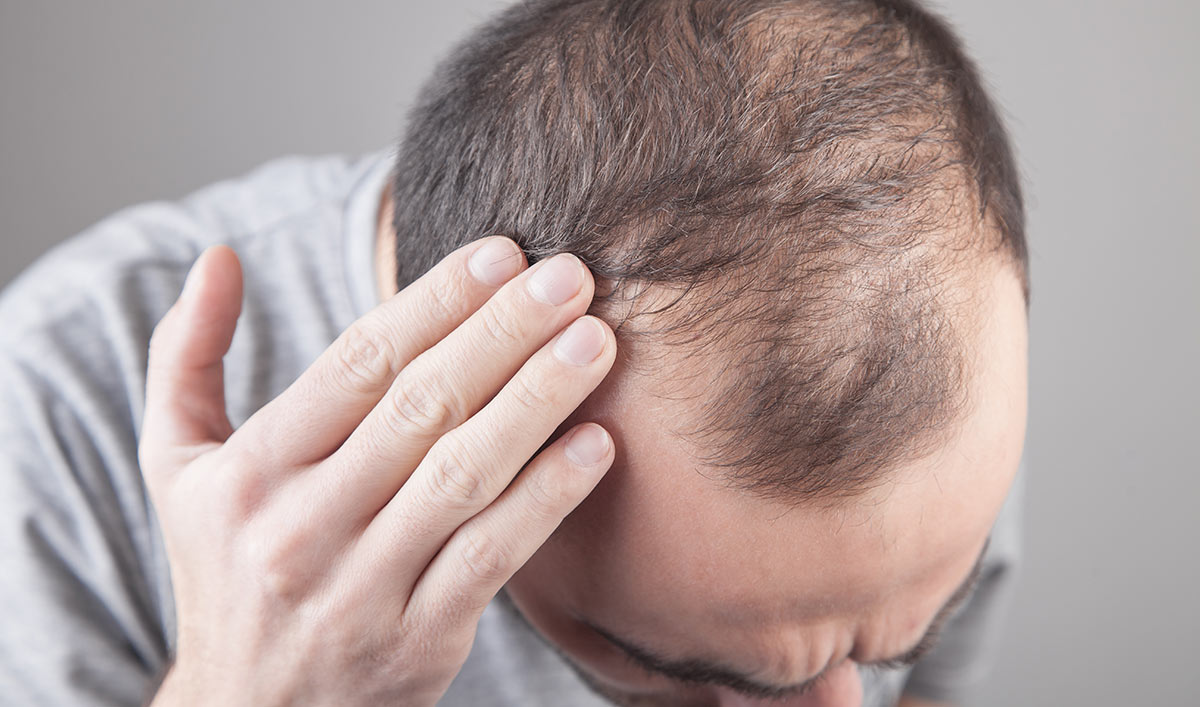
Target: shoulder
{"x": 137, "y": 255}
{"x": 127, "y": 269}
{"x": 79, "y": 319}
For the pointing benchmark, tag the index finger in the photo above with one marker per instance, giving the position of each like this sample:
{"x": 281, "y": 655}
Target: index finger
{"x": 310, "y": 419}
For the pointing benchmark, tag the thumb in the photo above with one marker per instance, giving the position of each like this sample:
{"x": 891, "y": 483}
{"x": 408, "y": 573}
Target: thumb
{"x": 185, "y": 380}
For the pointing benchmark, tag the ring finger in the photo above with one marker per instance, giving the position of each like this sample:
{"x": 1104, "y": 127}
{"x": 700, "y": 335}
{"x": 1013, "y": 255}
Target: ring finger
{"x": 468, "y": 468}
{"x": 445, "y": 385}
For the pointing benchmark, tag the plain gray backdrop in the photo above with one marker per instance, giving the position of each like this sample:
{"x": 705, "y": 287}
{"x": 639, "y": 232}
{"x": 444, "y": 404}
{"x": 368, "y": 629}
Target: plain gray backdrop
{"x": 103, "y": 105}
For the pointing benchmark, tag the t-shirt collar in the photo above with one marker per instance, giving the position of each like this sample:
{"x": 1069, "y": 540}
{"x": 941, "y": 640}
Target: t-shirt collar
{"x": 361, "y": 224}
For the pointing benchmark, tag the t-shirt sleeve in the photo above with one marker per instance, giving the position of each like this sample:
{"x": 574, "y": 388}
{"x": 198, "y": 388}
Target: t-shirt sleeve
{"x": 83, "y": 606}
{"x": 79, "y": 627}
{"x": 964, "y": 654}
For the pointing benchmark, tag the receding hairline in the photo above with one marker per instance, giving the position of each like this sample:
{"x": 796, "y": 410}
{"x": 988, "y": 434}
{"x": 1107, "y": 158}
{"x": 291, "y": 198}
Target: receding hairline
{"x": 637, "y": 165}
{"x": 687, "y": 370}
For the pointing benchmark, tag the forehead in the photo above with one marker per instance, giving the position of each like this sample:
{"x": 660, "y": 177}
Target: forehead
{"x": 661, "y": 538}
{"x": 665, "y": 544}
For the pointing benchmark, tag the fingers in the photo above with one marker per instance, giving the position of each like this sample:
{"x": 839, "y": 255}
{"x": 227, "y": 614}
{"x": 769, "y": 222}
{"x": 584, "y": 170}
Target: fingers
{"x": 185, "y": 385}
{"x": 469, "y": 467}
{"x": 486, "y": 551}
{"x": 447, "y": 384}
{"x": 316, "y": 414}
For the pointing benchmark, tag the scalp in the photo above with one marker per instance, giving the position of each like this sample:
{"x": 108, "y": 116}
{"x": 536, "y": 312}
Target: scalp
{"x": 795, "y": 197}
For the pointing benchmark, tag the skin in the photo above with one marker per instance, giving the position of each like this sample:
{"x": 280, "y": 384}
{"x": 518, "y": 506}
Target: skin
{"x": 665, "y": 557}
{"x": 340, "y": 546}
{"x": 669, "y": 558}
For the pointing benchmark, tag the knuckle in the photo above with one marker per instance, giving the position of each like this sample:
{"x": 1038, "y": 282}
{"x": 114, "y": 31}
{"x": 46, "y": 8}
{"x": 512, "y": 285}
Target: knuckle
{"x": 530, "y": 393}
{"x": 484, "y": 558}
{"x": 502, "y": 326}
{"x": 366, "y": 357}
{"x": 452, "y": 483}
{"x": 276, "y": 560}
{"x": 416, "y": 404}
{"x": 446, "y": 298}
{"x": 549, "y": 493}
{"x": 248, "y": 492}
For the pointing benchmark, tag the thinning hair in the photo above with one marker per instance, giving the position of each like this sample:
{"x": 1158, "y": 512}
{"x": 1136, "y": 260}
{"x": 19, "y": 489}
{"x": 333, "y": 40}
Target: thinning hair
{"x": 795, "y": 195}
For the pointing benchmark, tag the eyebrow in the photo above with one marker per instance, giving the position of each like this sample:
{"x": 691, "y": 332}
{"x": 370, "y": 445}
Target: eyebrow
{"x": 699, "y": 671}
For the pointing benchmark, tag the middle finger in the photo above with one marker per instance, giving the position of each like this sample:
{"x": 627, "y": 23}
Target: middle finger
{"x": 448, "y": 383}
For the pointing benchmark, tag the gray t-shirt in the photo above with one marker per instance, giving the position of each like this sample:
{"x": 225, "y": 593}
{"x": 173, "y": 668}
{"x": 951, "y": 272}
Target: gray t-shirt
{"x": 88, "y": 609}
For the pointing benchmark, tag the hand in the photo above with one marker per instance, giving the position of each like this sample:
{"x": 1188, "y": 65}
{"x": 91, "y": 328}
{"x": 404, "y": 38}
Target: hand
{"x": 340, "y": 546}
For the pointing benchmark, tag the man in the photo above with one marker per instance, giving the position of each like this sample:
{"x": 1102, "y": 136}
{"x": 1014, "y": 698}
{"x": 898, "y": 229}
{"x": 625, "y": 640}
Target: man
{"x": 776, "y": 297}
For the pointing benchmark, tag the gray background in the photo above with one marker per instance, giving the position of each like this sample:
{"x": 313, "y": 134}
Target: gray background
{"x": 107, "y": 104}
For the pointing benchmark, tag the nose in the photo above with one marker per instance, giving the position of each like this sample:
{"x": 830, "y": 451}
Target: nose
{"x": 840, "y": 687}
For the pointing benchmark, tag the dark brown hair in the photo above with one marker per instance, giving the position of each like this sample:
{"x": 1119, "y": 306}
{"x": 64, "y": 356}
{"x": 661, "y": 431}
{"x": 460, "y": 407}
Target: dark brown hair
{"x": 793, "y": 194}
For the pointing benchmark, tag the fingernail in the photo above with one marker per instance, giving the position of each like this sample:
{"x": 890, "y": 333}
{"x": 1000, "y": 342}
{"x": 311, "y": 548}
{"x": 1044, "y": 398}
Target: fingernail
{"x": 581, "y": 343}
{"x": 495, "y": 262}
{"x": 557, "y": 280}
{"x": 588, "y": 445}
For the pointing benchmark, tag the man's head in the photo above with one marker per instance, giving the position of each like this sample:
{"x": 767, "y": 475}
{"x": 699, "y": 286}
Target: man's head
{"x": 806, "y": 230}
